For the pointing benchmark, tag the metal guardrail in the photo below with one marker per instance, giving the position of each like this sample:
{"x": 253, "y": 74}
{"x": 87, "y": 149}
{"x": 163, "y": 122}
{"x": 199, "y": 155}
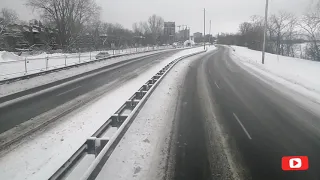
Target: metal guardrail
{"x": 47, "y": 70}
{"x": 102, "y": 147}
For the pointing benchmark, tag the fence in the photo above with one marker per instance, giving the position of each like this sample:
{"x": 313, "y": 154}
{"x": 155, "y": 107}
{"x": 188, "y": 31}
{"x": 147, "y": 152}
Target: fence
{"x": 41, "y": 63}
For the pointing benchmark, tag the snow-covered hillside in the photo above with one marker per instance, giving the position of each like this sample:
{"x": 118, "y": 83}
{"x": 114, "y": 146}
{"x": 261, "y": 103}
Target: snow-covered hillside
{"x": 299, "y": 75}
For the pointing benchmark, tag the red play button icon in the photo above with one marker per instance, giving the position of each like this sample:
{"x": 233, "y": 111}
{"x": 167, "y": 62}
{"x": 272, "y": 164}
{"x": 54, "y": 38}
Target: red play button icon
{"x": 295, "y": 163}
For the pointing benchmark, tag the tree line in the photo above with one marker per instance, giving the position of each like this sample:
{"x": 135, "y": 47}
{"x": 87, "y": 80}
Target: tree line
{"x": 284, "y": 32}
{"x": 74, "y": 18}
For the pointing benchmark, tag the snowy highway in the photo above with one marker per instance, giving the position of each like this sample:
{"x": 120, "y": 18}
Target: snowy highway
{"x": 210, "y": 117}
{"x": 261, "y": 123}
{"x": 21, "y": 111}
{"x": 89, "y": 102}
{"x": 215, "y": 120}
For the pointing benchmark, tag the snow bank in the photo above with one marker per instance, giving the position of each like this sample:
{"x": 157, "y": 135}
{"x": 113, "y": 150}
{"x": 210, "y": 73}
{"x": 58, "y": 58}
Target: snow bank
{"x": 56, "y": 144}
{"x": 9, "y": 56}
{"x": 12, "y": 65}
{"x": 143, "y": 151}
{"x": 297, "y": 74}
{"x": 6, "y": 89}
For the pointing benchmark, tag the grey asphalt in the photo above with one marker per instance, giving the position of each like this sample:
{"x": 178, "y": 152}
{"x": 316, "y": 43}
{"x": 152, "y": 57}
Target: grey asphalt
{"x": 21, "y": 111}
{"x": 235, "y": 126}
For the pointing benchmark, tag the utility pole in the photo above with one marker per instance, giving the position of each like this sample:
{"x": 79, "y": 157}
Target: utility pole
{"x": 265, "y": 31}
{"x": 210, "y": 33}
{"x": 204, "y": 28}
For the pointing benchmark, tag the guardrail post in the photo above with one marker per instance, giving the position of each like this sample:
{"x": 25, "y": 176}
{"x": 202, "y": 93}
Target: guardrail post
{"x": 47, "y": 62}
{"x": 25, "y": 66}
{"x": 79, "y": 57}
{"x": 90, "y": 55}
{"x": 65, "y": 60}
{"x": 113, "y": 51}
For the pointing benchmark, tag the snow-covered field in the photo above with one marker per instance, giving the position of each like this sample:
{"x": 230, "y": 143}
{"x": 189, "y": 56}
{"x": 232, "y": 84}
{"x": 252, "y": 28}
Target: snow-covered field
{"x": 299, "y": 75}
{"x": 12, "y": 65}
{"x": 40, "y": 155}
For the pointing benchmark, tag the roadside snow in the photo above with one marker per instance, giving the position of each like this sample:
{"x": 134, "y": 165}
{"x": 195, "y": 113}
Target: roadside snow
{"x": 6, "y": 89}
{"x": 41, "y": 154}
{"x": 296, "y": 74}
{"x": 12, "y": 65}
{"x": 142, "y": 152}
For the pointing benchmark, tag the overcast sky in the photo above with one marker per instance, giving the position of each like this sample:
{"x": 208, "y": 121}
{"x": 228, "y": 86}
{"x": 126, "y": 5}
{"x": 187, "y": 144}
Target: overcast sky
{"x": 226, "y": 15}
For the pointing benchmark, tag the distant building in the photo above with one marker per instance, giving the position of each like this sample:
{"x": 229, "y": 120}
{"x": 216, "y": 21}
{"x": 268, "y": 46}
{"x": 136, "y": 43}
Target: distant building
{"x": 198, "y": 37}
{"x": 183, "y": 35}
{"x": 169, "y": 31}
{"x": 15, "y": 36}
{"x": 169, "y": 28}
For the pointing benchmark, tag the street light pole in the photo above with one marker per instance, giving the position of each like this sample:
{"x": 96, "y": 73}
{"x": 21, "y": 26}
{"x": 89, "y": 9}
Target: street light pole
{"x": 265, "y": 31}
{"x": 204, "y": 28}
{"x": 210, "y": 34}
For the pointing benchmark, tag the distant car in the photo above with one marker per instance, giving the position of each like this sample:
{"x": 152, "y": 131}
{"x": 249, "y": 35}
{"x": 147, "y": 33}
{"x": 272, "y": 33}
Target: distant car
{"x": 175, "y": 45}
{"x": 102, "y": 55}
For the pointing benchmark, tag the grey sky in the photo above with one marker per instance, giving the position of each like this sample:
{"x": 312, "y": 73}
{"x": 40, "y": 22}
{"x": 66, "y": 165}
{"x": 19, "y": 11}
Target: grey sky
{"x": 226, "y": 15}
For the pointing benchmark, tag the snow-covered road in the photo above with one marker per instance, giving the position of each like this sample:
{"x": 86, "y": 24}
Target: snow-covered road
{"x": 230, "y": 125}
{"x": 58, "y": 142}
{"x": 141, "y": 153}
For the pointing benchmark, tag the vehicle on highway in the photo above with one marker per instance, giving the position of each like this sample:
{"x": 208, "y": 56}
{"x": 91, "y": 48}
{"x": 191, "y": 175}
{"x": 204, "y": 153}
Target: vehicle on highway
{"x": 102, "y": 55}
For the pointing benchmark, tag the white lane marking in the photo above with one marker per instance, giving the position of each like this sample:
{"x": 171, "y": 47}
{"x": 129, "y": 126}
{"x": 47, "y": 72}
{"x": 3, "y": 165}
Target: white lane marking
{"x": 244, "y": 129}
{"x": 217, "y": 85}
{"x": 69, "y": 90}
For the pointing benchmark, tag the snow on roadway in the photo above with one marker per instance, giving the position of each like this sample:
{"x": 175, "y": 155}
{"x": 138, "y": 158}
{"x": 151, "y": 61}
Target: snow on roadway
{"x": 39, "y": 156}
{"x": 6, "y": 89}
{"x": 299, "y": 75}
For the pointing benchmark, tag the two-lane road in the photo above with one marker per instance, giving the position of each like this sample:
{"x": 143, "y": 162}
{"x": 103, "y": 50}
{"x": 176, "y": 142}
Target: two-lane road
{"x": 238, "y": 127}
{"x": 109, "y": 78}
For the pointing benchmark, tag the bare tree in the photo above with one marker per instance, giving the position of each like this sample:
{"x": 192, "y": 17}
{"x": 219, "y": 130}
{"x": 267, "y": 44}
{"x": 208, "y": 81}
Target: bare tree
{"x": 279, "y": 25}
{"x": 7, "y": 16}
{"x": 290, "y": 36}
{"x": 310, "y": 23}
{"x": 244, "y": 30}
{"x": 251, "y": 33}
{"x": 145, "y": 27}
{"x": 141, "y": 28}
{"x": 68, "y": 16}
{"x": 156, "y": 26}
